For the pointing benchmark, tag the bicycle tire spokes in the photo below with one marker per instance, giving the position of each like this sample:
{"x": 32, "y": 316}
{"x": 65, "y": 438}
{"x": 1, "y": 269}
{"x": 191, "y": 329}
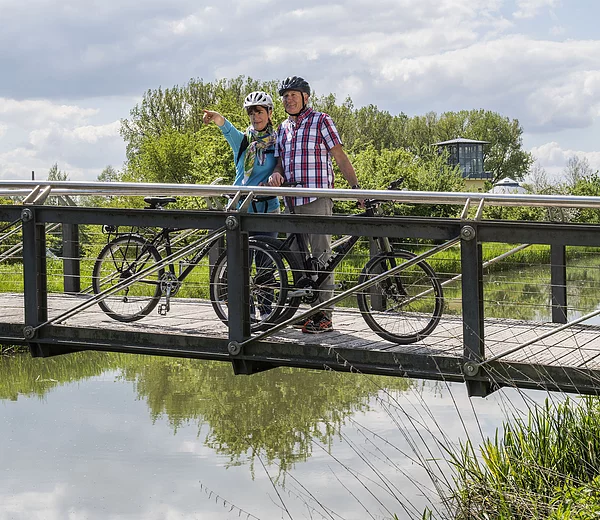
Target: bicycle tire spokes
{"x": 404, "y": 307}
{"x": 120, "y": 260}
{"x": 268, "y": 286}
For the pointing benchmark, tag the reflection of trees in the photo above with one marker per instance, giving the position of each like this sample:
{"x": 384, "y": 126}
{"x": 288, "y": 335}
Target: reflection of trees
{"x": 24, "y": 375}
{"x": 274, "y": 414}
{"x": 583, "y": 282}
{"x": 524, "y": 293}
{"x": 519, "y": 295}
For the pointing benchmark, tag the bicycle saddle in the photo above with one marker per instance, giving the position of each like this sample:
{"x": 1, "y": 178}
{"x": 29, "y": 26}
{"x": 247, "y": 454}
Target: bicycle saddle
{"x": 157, "y": 202}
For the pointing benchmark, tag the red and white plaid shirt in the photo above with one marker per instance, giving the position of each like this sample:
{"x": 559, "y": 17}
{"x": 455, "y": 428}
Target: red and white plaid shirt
{"x": 303, "y": 146}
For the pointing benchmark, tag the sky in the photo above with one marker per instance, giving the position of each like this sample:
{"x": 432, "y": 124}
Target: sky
{"x": 71, "y": 70}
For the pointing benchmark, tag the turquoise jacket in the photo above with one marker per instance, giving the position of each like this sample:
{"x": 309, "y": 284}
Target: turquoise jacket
{"x": 260, "y": 172}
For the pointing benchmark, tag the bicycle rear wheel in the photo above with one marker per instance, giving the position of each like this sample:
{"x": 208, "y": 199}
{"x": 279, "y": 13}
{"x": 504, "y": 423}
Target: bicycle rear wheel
{"x": 120, "y": 260}
{"x": 268, "y": 286}
{"x": 404, "y": 307}
{"x": 294, "y": 272}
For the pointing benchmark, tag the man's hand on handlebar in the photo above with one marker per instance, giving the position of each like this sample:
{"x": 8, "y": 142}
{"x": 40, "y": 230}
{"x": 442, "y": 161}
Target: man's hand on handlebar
{"x": 276, "y": 180}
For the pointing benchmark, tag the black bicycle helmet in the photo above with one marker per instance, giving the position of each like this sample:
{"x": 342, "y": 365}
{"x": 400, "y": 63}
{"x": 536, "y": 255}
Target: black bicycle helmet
{"x": 294, "y": 83}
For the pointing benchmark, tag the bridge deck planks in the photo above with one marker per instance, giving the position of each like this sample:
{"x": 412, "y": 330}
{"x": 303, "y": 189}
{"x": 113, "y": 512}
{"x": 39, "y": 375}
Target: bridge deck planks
{"x": 577, "y": 346}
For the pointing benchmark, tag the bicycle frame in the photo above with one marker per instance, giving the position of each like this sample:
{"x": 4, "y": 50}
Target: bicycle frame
{"x": 161, "y": 241}
{"x": 339, "y": 252}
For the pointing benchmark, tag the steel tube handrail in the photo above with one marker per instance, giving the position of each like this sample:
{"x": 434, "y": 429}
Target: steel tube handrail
{"x": 74, "y": 188}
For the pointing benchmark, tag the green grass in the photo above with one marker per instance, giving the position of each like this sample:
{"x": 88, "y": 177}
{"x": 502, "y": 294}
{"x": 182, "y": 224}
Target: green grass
{"x": 9, "y": 350}
{"x": 534, "y": 467}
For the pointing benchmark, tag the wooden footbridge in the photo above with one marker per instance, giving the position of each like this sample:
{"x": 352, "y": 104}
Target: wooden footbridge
{"x": 470, "y": 344}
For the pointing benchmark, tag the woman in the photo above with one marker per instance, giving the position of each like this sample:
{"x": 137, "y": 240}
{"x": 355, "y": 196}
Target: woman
{"x": 253, "y": 150}
{"x": 253, "y": 155}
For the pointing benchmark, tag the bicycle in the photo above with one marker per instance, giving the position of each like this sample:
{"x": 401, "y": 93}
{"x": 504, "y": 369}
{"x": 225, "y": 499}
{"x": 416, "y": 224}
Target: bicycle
{"x": 402, "y": 308}
{"x": 132, "y": 275}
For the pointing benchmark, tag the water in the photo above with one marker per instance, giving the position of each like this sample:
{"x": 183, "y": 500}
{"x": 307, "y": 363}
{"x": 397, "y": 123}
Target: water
{"x": 97, "y": 436}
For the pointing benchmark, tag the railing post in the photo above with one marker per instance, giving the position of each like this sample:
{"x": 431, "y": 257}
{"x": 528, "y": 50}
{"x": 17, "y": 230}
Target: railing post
{"x": 558, "y": 283}
{"x": 71, "y": 261}
{"x": 472, "y": 310}
{"x": 238, "y": 292}
{"x": 215, "y": 252}
{"x": 35, "y": 288}
{"x": 377, "y": 298}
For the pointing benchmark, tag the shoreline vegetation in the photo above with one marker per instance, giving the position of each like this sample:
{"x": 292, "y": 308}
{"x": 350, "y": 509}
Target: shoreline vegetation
{"x": 543, "y": 466}
{"x": 9, "y": 350}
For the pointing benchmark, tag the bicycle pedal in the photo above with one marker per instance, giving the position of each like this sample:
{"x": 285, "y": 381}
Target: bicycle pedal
{"x": 163, "y": 308}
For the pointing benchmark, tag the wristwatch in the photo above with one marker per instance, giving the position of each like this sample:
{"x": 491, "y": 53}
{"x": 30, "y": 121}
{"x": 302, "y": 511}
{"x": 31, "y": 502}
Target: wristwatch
{"x": 356, "y": 187}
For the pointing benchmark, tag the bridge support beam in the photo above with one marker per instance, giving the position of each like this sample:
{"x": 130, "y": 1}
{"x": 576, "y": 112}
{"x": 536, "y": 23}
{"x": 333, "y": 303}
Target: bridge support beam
{"x": 35, "y": 282}
{"x": 472, "y": 309}
{"x": 238, "y": 302}
{"x": 70, "y": 254}
{"x": 558, "y": 283}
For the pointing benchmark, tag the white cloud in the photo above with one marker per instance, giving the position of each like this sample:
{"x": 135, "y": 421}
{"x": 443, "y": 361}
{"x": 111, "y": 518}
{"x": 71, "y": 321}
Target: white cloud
{"x": 38, "y": 112}
{"x": 530, "y": 8}
{"x": 573, "y": 102}
{"x": 412, "y": 56}
{"x": 34, "y": 504}
{"x": 553, "y": 158}
{"x": 35, "y": 134}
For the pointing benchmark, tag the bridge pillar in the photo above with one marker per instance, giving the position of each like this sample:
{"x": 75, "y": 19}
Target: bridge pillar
{"x": 472, "y": 310}
{"x": 558, "y": 283}
{"x": 35, "y": 282}
{"x": 378, "y": 302}
{"x": 238, "y": 303}
{"x": 70, "y": 253}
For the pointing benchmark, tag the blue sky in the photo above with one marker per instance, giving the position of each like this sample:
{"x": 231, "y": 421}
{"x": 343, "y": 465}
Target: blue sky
{"x": 72, "y": 69}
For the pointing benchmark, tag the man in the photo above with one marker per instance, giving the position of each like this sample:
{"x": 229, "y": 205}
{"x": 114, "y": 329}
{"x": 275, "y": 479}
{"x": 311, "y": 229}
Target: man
{"x": 306, "y": 142}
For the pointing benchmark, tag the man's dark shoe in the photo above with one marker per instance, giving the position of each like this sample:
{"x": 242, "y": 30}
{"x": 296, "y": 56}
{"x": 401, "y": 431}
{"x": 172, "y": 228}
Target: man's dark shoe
{"x": 318, "y": 324}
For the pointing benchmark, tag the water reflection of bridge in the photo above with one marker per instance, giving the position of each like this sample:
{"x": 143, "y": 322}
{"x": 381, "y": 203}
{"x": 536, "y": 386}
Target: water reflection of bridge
{"x": 468, "y": 346}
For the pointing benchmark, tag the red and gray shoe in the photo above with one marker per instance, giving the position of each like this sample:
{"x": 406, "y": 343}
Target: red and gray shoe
{"x": 318, "y": 324}
{"x": 300, "y": 324}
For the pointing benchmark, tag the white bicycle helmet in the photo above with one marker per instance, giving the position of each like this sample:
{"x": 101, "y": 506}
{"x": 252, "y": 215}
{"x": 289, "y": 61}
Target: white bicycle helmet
{"x": 258, "y": 98}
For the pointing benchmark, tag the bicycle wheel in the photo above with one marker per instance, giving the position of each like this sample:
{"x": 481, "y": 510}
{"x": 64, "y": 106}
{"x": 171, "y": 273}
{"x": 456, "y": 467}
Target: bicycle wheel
{"x": 294, "y": 272}
{"x": 268, "y": 286}
{"x": 404, "y": 307}
{"x": 120, "y": 260}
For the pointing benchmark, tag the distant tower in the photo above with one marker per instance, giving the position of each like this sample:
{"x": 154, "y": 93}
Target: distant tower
{"x": 468, "y": 155}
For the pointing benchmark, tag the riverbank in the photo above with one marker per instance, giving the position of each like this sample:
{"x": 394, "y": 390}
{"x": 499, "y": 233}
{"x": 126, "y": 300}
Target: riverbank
{"x": 8, "y": 350}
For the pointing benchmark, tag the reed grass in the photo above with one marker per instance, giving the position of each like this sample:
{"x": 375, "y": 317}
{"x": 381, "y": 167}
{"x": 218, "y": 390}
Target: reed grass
{"x": 544, "y": 466}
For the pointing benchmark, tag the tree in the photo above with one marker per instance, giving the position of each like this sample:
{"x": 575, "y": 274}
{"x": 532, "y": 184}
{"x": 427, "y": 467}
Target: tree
{"x": 109, "y": 174}
{"x": 378, "y": 168}
{"x": 588, "y": 186}
{"x": 166, "y": 141}
{"x": 54, "y": 174}
{"x": 577, "y": 170}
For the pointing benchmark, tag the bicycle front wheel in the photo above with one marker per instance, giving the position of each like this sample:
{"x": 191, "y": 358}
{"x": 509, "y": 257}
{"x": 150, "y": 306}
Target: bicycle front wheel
{"x": 404, "y": 307}
{"x": 120, "y": 260}
{"x": 268, "y": 286}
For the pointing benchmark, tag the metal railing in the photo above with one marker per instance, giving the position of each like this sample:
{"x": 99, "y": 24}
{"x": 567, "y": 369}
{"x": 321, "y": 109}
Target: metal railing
{"x": 469, "y": 232}
{"x": 76, "y": 188}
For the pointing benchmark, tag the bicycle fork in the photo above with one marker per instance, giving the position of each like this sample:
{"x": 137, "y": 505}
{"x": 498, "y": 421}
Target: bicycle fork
{"x": 393, "y": 284}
